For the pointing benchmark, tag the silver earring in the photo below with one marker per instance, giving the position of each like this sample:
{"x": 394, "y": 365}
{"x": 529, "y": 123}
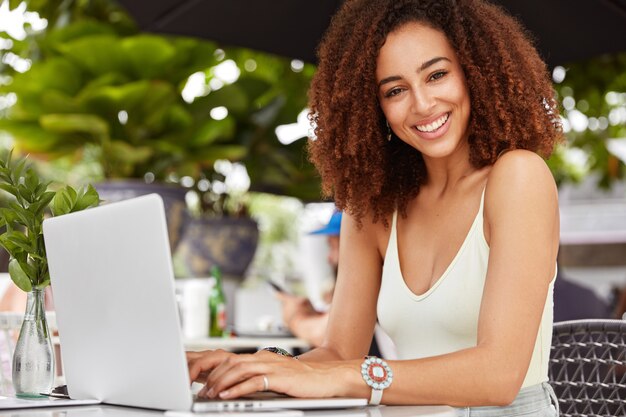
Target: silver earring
{"x": 388, "y": 132}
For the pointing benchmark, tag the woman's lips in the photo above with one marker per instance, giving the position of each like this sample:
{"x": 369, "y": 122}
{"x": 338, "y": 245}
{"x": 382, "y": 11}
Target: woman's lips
{"x": 433, "y": 126}
{"x": 434, "y": 129}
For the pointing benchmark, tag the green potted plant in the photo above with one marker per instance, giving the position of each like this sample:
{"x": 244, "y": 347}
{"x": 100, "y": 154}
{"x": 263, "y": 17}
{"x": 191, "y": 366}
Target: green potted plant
{"x": 33, "y": 360}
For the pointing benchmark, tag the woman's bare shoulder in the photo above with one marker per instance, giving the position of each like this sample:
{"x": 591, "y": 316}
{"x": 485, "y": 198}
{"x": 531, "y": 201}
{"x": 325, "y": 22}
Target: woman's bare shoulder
{"x": 521, "y": 178}
{"x": 519, "y": 167}
{"x": 370, "y": 233}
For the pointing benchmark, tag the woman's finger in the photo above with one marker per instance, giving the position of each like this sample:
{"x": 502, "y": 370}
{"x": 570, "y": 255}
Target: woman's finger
{"x": 236, "y": 370}
{"x": 226, "y": 366}
{"x": 248, "y": 386}
{"x": 201, "y": 365}
{"x": 230, "y": 371}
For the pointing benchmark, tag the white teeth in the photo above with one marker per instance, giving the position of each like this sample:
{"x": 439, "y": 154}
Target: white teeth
{"x": 431, "y": 127}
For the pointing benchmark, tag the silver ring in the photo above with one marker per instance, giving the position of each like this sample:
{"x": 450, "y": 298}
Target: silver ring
{"x": 266, "y": 383}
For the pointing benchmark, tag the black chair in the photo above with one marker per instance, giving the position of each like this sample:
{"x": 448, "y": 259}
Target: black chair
{"x": 588, "y": 367}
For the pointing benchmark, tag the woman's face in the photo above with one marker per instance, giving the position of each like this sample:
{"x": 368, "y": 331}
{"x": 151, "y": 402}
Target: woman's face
{"x": 422, "y": 90}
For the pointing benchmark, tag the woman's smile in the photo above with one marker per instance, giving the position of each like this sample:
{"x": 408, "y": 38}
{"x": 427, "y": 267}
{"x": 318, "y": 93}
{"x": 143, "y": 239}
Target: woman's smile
{"x": 433, "y": 129}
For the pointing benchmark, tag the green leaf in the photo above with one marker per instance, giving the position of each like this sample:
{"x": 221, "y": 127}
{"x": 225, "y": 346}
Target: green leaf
{"x": 214, "y": 130}
{"x": 69, "y": 197}
{"x": 43, "y": 284}
{"x": 76, "y": 30}
{"x": 127, "y": 153}
{"x": 19, "y": 277}
{"x": 31, "y": 137}
{"x": 19, "y": 167}
{"x": 19, "y": 240}
{"x": 42, "y": 203}
{"x": 54, "y": 101}
{"x": 213, "y": 153}
{"x": 41, "y": 189}
{"x": 9, "y": 246}
{"x": 75, "y": 123}
{"x": 99, "y": 54}
{"x": 55, "y": 73}
{"x": 9, "y": 189}
{"x": 150, "y": 56}
{"x": 25, "y": 193}
{"x": 31, "y": 181}
{"x": 25, "y": 217}
{"x": 60, "y": 205}
{"x": 65, "y": 201}
{"x": 231, "y": 96}
{"x": 88, "y": 198}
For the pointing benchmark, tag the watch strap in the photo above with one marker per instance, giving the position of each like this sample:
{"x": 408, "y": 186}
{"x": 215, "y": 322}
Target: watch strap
{"x": 376, "y": 396}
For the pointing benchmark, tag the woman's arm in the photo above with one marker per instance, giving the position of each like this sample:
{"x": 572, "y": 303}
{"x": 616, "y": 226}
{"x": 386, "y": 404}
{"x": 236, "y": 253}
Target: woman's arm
{"x": 522, "y": 225}
{"x": 353, "y": 310}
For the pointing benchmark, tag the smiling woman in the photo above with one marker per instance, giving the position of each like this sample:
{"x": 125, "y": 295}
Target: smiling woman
{"x": 430, "y": 119}
{"x": 510, "y": 91}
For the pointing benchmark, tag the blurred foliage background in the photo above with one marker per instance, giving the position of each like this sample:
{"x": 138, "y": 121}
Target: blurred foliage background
{"x": 87, "y": 87}
{"x": 592, "y": 94}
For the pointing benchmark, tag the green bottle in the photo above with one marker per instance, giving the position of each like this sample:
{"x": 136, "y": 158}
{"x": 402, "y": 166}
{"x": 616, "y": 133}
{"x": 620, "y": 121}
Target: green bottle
{"x": 217, "y": 305}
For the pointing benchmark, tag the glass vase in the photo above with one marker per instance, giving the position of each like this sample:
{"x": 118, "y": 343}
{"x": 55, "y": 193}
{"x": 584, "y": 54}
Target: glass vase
{"x": 33, "y": 359}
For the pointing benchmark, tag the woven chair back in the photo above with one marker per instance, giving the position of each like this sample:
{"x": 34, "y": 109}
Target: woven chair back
{"x": 588, "y": 367}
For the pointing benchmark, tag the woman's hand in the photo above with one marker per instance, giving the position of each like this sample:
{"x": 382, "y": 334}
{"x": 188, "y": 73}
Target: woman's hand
{"x": 227, "y": 375}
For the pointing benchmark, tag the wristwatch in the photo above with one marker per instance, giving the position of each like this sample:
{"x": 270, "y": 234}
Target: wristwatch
{"x": 378, "y": 375}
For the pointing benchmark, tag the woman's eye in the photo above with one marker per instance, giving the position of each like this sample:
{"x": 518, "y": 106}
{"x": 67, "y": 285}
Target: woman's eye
{"x": 437, "y": 75}
{"x": 393, "y": 92}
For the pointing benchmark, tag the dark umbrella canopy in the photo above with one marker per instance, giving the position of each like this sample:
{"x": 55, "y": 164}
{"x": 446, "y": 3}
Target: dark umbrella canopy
{"x": 291, "y": 28}
{"x": 565, "y": 30}
{"x": 572, "y": 30}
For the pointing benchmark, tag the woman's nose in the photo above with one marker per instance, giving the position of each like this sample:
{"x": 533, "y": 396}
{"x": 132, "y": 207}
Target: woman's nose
{"x": 421, "y": 101}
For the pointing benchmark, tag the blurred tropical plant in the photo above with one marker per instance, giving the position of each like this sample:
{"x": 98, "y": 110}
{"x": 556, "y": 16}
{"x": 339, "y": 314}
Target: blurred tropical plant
{"x": 593, "y": 98}
{"x": 126, "y": 100}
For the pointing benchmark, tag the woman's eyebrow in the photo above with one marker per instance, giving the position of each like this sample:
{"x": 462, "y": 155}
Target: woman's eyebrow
{"x": 431, "y": 62}
{"x": 422, "y": 67}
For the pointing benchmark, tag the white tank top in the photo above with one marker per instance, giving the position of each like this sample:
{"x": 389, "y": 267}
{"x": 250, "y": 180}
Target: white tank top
{"x": 445, "y": 318}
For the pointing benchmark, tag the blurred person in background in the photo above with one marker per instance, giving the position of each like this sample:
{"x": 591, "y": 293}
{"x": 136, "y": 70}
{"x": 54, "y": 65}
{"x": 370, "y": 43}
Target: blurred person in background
{"x": 299, "y": 315}
{"x": 309, "y": 324}
{"x": 573, "y": 301}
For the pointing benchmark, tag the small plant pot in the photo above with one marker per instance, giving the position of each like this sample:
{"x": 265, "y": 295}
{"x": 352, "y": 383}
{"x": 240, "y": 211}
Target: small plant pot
{"x": 229, "y": 243}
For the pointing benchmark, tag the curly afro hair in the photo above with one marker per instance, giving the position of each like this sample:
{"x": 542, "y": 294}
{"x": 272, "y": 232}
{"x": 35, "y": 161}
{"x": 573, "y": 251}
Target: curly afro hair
{"x": 512, "y": 99}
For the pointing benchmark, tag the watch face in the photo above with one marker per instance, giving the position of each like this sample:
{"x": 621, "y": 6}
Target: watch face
{"x": 376, "y": 373}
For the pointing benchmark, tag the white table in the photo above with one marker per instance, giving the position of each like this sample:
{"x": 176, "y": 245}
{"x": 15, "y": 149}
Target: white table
{"x": 112, "y": 411}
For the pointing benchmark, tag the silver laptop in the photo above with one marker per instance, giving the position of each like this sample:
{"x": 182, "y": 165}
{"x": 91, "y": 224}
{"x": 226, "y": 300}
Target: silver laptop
{"x": 119, "y": 330}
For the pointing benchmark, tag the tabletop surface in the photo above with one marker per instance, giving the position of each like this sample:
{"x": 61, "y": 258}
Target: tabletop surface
{"x": 113, "y": 411}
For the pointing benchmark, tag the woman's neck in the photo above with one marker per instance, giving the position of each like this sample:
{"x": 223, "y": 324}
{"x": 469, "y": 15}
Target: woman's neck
{"x": 445, "y": 173}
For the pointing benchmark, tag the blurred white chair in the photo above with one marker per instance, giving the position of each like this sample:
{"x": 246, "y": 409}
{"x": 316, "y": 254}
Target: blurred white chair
{"x": 10, "y": 324}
